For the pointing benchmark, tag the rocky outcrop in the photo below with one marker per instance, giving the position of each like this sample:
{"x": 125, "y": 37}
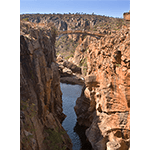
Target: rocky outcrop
{"x": 126, "y": 16}
{"x": 104, "y": 105}
{"x": 40, "y": 95}
{"x": 69, "y": 72}
{"x": 81, "y": 51}
{"x": 68, "y": 21}
{"x": 72, "y": 66}
{"x": 62, "y": 25}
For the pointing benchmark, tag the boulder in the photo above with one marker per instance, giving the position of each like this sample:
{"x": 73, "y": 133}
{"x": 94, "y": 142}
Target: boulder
{"x": 71, "y": 80}
{"x": 90, "y": 80}
{"x": 72, "y": 67}
{"x": 67, "y": 72}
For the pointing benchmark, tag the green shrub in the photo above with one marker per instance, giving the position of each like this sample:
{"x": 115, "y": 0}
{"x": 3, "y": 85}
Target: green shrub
{"x": 26, "y": 19}
{"x": 54, "y": 139}
{"x": 25, "y": 105}
{"x": 94, "y": 29}
{"x": 84, "y": 71}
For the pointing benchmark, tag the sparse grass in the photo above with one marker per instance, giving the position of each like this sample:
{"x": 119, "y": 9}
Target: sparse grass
{"x": 84, "y": 71}
{"x": 83, "y": 62}
{"x": 29, "y": 111}
{"x": 94, "y": 29}
{"x": 118, "y": 65}
{"x": 71, "y": 55}
{"x": 24, "y": 105}
{"x": 26, "y": 19}
{"x": 54, "y": 139}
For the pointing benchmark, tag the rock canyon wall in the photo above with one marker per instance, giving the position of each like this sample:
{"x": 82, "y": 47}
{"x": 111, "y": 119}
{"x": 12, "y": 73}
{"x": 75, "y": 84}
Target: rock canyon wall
{"x": 104, "y": 105}
{"x": 40, "y": 95}
{"x": 101, "y": 65}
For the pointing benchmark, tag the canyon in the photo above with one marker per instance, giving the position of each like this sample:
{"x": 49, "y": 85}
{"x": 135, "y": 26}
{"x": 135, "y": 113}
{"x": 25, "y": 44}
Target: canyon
{"x": 88, "y": 50}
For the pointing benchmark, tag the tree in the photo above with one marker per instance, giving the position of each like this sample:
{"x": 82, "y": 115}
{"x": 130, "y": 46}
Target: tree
{"x": 93, "y": 13}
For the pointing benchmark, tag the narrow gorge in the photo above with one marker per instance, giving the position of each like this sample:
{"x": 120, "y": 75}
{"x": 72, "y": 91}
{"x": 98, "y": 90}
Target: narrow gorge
{"x": 74, "y": 88}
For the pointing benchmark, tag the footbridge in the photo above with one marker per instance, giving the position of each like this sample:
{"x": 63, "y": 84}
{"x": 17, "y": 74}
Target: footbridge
{"x": 97, "y": 35}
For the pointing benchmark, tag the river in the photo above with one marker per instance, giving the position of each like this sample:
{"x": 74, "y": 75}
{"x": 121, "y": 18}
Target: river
{"x": 69, "y": 97}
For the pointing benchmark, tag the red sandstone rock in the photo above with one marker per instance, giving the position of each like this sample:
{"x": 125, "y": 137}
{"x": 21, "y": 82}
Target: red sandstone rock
{"x": 108, "y": 101}
{"x": 126, "y": 16}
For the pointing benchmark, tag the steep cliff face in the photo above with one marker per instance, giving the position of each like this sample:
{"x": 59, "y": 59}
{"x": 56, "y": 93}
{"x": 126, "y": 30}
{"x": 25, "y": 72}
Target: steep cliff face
{"x": 104, "y": 105}
{"x": 40, "y": 95}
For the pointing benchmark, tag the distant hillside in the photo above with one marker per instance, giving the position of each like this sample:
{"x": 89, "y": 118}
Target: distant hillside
{"x": 66, "y": 45}
{"x": 75, "y": 21}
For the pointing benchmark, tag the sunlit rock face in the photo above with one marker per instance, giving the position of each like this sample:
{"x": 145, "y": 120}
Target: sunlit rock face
{"x": 104, "y": 105}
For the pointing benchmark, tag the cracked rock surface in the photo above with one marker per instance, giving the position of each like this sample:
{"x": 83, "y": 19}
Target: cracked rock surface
{"x": 104, "y": 105}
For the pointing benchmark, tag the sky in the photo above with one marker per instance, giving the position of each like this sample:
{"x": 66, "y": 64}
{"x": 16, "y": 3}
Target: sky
{"x": 114, "y": 8}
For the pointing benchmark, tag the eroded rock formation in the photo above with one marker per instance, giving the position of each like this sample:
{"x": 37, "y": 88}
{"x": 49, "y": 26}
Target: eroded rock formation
{"x": 126, "y": 16}
{"x": 69, "y": 72}
{"x": 40, "y": 94}
{"x": 104, "y": 105}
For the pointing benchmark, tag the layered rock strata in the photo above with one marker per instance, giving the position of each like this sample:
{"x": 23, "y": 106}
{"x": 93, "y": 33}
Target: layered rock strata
{"x": 40, "y": 95}
{"x": 104, "y": 105}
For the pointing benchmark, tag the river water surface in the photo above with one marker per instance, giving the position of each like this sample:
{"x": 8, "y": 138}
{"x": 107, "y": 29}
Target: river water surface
{"x": 69, "y": 97}
{"x": 75, "y": 132}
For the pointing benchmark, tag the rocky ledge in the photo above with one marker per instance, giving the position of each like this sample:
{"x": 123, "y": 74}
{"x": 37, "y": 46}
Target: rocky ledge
{"x": 104, "y": 105}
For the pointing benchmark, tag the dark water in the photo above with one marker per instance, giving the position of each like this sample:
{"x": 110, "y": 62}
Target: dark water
{"x": 75, "y": 132}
